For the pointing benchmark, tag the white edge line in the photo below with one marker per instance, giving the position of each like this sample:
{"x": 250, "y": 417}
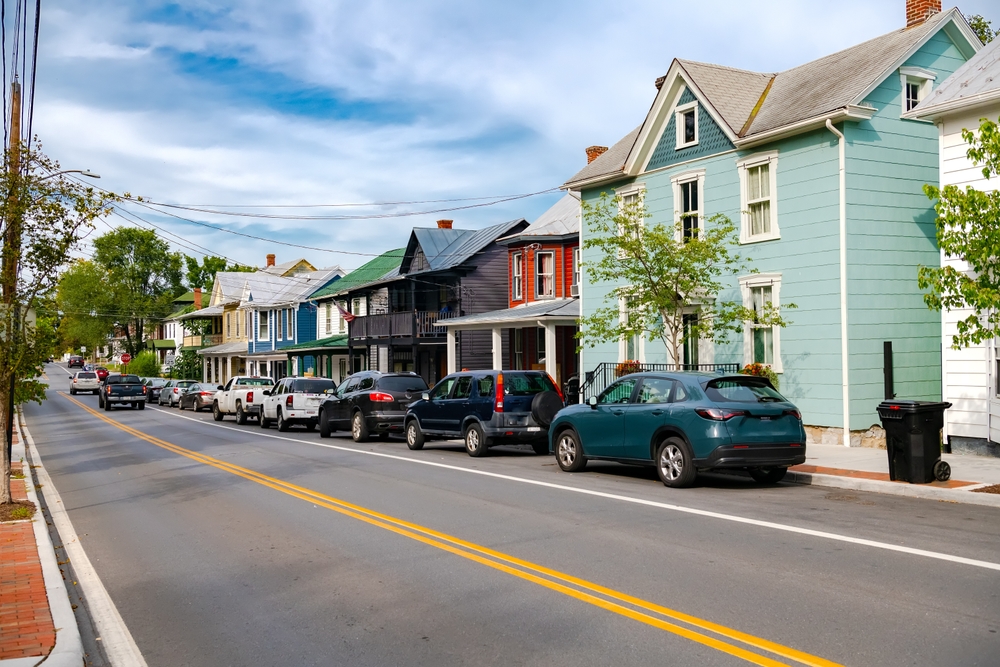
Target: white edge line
{"x": 637, "y": 501}
{"x": 116, "y": 639}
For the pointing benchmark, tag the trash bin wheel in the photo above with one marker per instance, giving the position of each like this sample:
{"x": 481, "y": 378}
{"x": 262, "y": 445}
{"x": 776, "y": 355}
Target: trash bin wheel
{"x": 942, "y": 471}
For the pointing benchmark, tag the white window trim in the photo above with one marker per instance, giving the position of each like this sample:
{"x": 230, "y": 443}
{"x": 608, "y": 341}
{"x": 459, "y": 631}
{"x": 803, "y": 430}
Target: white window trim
{"x": 517, "y": 276}
{"x": 923, "y": 77}
{"x": 762, "y": 280}
{"x": 679, "y": 112}
{"x": 290, "y": 328}
{"x": 341, "y": 322}
{"x": 577, "y": 271}
{"x": 262, "y": 319}
{"x": 538, "y": 274}
{"x": 637, "y": 189}
{"x": 756, "y": 160}
{"x": 676, "y": 182}
{"x": 279, "y": 316}
{"x": 623, "y": 343}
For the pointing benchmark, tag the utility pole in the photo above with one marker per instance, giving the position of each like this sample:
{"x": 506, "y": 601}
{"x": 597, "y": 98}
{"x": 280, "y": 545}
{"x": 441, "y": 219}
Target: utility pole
{"x": 11, "y": 257}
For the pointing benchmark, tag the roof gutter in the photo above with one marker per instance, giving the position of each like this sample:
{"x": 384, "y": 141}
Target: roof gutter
{"x": 851, "y": 112}
{"x": 844, "y": 375}
{"x": 935, "y": 111}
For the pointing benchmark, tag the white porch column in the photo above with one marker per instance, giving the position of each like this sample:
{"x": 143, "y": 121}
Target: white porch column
{"x": 204, "y": 375}
{"x": 452, "y": 353}
{"x": 550, "y": 351}
{"x": 497, "y": 349}
{"x": 229, "y": 368}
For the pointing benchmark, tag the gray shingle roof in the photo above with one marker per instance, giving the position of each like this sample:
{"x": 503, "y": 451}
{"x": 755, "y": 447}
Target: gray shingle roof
{"x": 611, "y": 162}
{"x": 976, "y": 79}
{"x": 733, "y": 92}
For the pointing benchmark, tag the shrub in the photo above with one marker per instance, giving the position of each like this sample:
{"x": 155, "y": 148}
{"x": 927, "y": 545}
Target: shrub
{"x": 626, "y": 367}
{"x": 145, "y": 364}
{"x": 761, "y": 370}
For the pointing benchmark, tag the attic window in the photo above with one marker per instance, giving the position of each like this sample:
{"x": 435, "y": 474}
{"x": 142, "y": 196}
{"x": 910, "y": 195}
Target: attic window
{"x": 916, "y": 84}
{"x": 686, "y": 117}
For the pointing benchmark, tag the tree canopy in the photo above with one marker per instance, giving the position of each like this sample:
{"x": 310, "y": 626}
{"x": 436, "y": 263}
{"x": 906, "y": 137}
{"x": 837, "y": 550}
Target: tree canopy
{"x": 202, "y": 274}
{"x": 982, "y": 27}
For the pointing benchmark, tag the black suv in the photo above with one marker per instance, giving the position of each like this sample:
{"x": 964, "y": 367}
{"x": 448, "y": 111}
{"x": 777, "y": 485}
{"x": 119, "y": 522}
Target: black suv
{"x": 486, "y": 408}
{"x": 370, "y": 402}
{"x": 75, "y": 360}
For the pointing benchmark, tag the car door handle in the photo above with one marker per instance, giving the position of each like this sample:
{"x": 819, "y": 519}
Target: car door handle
{"x": 656, "y": 413}
{"x": 618, "y": 412}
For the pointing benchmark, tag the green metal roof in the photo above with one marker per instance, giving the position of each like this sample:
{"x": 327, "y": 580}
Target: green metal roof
{"x": 369, "y": 272}
{"x": 165, "y": 344}
{"x": 338, "y": 341}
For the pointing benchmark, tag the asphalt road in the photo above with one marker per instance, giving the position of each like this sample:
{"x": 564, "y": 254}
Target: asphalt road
{"x": 228, "y": 545}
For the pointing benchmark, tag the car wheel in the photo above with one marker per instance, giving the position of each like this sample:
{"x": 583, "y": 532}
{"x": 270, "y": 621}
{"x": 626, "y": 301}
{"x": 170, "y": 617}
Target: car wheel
{"x": 141, "y": 405}
{"x": 180, "y": 404}
{"x": 282, "y": 422}
{"x": 540, "y": 448}
{"x": 475, "y": 441}
{"x": 107, "y": 406}
{"x": 768, "y": 475}
{"x": 675, "y": 464}
{"x": 569, "y": 453}
{"x": 216, "y": 412}
{"x": 359, "y": 429}
{"x": 264, "y": 421}
{"x": 414, "y": 436}
{"x": 241, "y": 417}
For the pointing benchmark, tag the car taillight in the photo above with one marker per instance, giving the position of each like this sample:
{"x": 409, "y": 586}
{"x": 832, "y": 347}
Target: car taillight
{"x": 249, "y": 397}
{"x": 498, "y": 403}
{"x": 108, "y": 388}
{"x": 144, "y": 390}
{"x": 205, "y": 393}
{"x": 288, "y": 401}
{"x": 794, "y": 413}
{"x": 74, "y": 380}
{"x": 719, "y": 414}
{"x": 381, "y": 397}
{"x": 558, "y": 390}
{"x": 177, "y": 390}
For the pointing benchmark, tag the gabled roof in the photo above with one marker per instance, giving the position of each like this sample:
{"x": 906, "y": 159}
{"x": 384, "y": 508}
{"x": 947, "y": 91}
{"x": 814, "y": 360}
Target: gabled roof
{"x": 292, "y": 267}
{"x": 561, "y": 219}
{"x": 448, "y": 248}
{"x": 383, "y": 266}
{"x": 974, "y": 84}
{"x": 277, "y": 290}
{"x": 755, "y": 107}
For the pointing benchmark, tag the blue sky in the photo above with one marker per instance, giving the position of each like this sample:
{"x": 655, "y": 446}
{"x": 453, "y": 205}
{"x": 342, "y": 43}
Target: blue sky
{"x": 328, "y": 102}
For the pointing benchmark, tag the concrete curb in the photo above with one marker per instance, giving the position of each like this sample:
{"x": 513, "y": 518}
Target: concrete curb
{"x": 68, "y": 649}
{"x": 896, "y": 489}
{"x": 116, "y": 639}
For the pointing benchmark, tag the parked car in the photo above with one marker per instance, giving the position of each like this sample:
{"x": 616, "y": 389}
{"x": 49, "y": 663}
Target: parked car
{"x": 683, "y": 423}
{"x": 84, "y": 381}
{"x": 153, "y": 388}
{"x": 198, "y": 396}
{"x": 101, "y": 371}
{"x": 117, "y": 389}
{"x": 242, "y": 396}
{"x": 170, "y": 394}
{"x": 75, "y": 361}
{"x": 486, "y": 408}
{"x": 370, "y": 402}
{"x": 294, "y": 401}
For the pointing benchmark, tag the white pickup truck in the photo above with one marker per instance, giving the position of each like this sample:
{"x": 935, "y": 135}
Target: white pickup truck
{"x": 242, "y": 396}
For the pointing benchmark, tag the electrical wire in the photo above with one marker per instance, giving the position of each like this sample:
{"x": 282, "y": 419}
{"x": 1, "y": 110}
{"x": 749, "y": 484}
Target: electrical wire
{"x": 34, "y": 68}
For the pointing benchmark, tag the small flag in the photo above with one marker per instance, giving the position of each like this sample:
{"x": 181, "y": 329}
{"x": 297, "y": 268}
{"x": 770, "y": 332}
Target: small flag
{"x": 343, "y": 313}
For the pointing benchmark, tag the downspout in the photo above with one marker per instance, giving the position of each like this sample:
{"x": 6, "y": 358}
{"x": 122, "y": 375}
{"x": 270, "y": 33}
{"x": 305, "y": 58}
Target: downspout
{"x": 845, "y": 386}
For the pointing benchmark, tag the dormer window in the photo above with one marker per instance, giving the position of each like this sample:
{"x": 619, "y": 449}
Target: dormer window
{"x": 916, "y": 84}
{"x": 686, "y": 118}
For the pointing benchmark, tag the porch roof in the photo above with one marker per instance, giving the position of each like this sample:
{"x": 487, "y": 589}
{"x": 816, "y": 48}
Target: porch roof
{"x": 236, "y": 348}
{"x": 211, "y": 311}
{"x": 559, "y": 311}
{"x": 331, "y": 344}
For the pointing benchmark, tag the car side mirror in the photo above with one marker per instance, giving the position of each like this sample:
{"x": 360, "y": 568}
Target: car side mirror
{"x": 592, "y": 402}
{"x": 266, "y": 392}
{"x": 219, "y": 387}
{"x": 329, "y": 391}
{"x": 426, "y": 396}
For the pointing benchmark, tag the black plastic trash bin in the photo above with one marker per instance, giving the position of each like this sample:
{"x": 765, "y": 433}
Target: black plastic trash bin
{"x": 913, "y": 440}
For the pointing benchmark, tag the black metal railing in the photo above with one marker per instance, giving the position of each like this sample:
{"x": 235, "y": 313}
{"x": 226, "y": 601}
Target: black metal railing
{"x": 408, "y": 324}
{"x": 597, "y": 380}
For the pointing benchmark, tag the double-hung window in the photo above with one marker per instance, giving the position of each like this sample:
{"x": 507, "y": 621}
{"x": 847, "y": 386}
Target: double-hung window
{"x": 329, "y": 318}
{"x": 517, "y": 276}
{"x": 691, "y": 340}
{"x": 686, "y": 118}
{"x": 762, "y": 342}
{"x": 279, "y": 324}
{"x": 262, "y": 328}
{"x": 545, "y": 265}
{"x": 343, "y": 322}
{"x": 229, "y": 325}
{"x": 689, "y": 189}
{"x": 631, "y": 348}
{"x": 575, "y": 289}
{"x": 916, "y": 83}
{"x": 631, "y": 211}
{"x": 758, "y": 197}
{"x": 290, "y": 330}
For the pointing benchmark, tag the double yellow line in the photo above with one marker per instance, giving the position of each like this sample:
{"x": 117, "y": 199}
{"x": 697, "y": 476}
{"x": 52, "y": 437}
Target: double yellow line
{"x": 620, "y": 603}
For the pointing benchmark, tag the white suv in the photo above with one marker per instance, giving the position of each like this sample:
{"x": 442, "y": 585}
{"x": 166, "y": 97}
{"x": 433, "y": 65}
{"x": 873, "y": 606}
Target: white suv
{"x": 84, "y": 381}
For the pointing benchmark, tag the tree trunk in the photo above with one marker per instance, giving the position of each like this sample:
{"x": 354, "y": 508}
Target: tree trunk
{"x": 5, "y": 495}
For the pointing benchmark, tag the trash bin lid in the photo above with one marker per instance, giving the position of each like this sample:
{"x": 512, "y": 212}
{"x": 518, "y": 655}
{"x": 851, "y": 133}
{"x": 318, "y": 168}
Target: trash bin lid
{"x": 911, "y": 407}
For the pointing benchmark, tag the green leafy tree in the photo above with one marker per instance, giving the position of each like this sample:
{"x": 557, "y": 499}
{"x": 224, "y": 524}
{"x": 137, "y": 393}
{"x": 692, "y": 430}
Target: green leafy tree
{"x": 659, "y": 278}
{"x": 86, "y": 306}
{"x": 145, "y": 364}
{"x": 43, "y": 214}
{"x": 968, "y": 228}
{"x": 187, "y": 366}
{"x": 203, "y": 274}
{"x": 982, "y": 27}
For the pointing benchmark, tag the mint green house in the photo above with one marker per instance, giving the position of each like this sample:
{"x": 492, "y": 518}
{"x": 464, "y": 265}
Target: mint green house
{"x": 824, "y": 177}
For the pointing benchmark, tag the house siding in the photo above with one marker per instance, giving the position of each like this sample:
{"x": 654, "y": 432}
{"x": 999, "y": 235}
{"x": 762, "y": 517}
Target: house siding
{"x": 482, "y": 291}
{"x": 711, "y": 138}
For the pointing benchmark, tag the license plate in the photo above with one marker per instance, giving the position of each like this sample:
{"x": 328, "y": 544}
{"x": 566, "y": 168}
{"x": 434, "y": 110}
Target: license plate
{"x": 765, "y": 419}
{"x": 534, "y": 428}
{"x": 310, "y": 412}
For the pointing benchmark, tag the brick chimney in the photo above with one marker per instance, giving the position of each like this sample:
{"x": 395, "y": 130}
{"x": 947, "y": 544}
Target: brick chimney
{"x": 445, "y": 224}
{"x": 918, "y": 11}
{"x": 197, "y": 298}
{"x": 270, "y": 259}
{"x": 594, "y": 152}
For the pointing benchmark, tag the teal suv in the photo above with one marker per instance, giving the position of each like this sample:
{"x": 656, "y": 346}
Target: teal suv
{"x": 682, "y": 423}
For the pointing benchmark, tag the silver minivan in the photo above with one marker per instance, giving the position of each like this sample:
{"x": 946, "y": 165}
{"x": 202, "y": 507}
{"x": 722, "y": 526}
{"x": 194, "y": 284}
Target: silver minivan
{"x": 84, "y": 381}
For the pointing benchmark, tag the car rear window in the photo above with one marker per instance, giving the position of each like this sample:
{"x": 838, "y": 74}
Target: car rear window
{"x": 124, "y": 379}
{"x": 741, "y": 390}
{"x": 317, "y": 386}
{"x": 87, "y": 376}
{"x": 526, "y": 384}
{"x": 184, "y": 383}
{"x": 255, "y": 382}
{"x": 402, "y": 383}
{"x": 156, "y": 382}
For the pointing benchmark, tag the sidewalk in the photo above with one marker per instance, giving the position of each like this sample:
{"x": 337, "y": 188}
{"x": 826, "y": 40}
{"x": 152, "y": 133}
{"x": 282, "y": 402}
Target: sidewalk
{"x": 865, "y": 469}
{"x": 37, "y": 624}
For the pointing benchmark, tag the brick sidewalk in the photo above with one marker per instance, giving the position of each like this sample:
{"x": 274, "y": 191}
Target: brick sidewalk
{"x": 26, "y": 628}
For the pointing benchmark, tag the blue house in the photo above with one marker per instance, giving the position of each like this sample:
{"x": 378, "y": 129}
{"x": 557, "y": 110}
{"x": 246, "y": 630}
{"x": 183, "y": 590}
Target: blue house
{"x": 823, "y": 174}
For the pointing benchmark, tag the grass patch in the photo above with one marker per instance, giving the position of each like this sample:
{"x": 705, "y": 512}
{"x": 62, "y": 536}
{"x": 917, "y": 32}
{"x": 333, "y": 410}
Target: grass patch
{"x": 16, "y": 475}
{"x": 993, "y": 488}
{"x": 19, "y": 510}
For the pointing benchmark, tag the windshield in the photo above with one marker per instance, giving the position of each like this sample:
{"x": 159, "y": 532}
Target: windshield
{"x": 742, "y": 390}
{"x": 317, "y": 386}
{"x": 526, "y": 384}
{"x": 402, "y": 383}
{"x": 255, "y": 382}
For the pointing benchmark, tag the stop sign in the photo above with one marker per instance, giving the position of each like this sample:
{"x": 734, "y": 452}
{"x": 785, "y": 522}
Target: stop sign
{"x": 126, "y": 358}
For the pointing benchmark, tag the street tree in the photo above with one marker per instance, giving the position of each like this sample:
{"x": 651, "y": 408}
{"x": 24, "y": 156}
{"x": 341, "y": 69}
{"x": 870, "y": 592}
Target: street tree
{"x": 85, "y": 304}
{"x": 982, "y": 27}
{"x": 44, "y": 214}
{"x": 202, "y": 274}
{"x": 142, "y": 278}
{"x": 968, "y": 228}
{"x": 660, "y": 275}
